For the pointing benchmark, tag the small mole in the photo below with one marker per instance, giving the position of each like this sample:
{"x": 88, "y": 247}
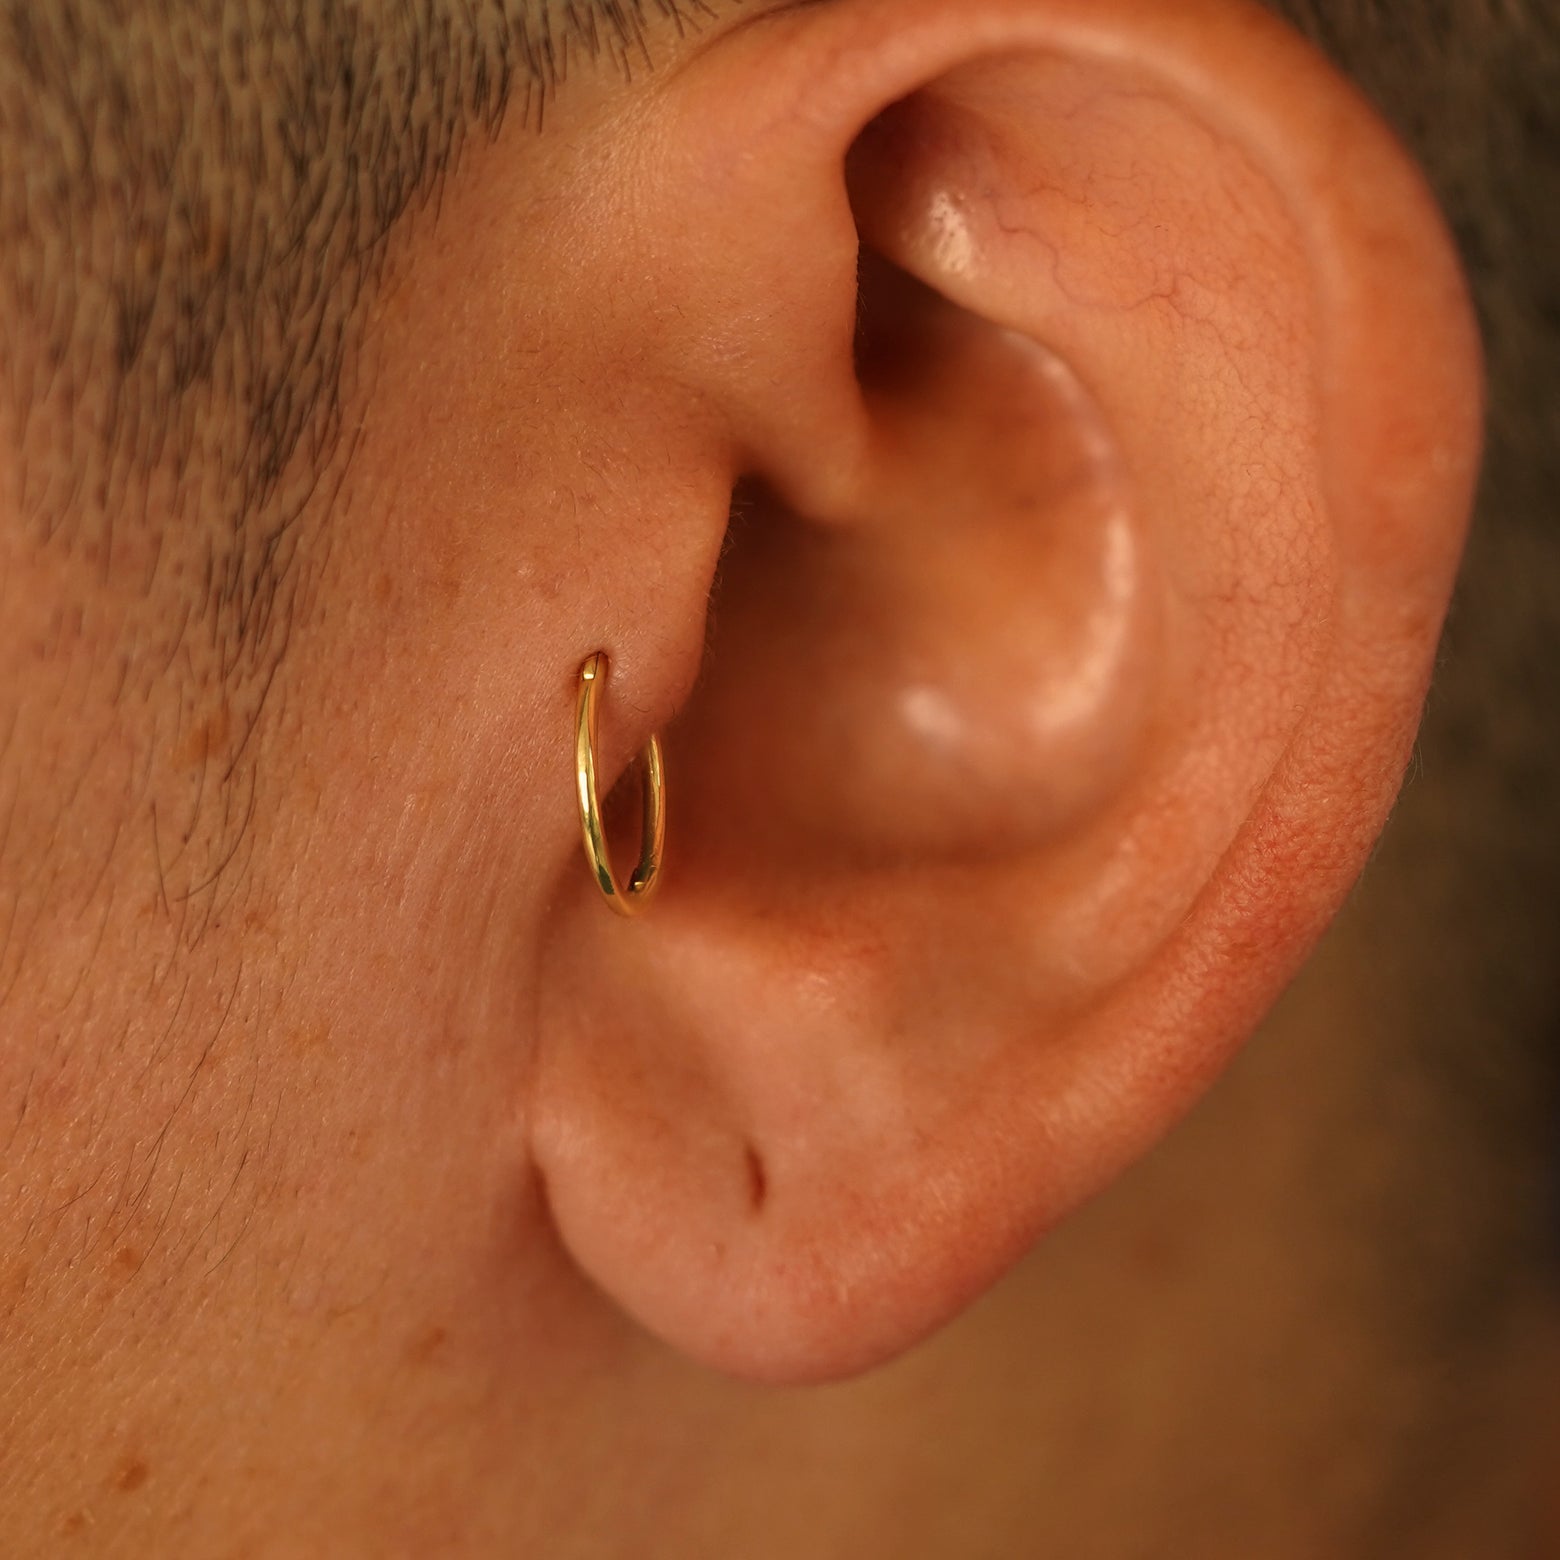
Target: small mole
{"x": 132, "y": 1475}
{"x": 758, "y": 1181}
{"x": 127, "y": 1259}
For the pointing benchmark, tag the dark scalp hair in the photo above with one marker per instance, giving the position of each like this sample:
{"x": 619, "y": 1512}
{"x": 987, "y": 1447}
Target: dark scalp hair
{"x": 197, "y": 198}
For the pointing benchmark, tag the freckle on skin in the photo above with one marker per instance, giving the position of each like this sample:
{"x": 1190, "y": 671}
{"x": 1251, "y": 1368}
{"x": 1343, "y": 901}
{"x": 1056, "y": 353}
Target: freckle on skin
{"x": 311, "y": 1039}
{"x": 126, "y": 1260}
{"x": 205, "y": 740}
{"x": 74, "y": 1524}
{"x": 423, "y": 1347}
{"x": 1158, "y": 1256}
{"x": 132, "y": 1475}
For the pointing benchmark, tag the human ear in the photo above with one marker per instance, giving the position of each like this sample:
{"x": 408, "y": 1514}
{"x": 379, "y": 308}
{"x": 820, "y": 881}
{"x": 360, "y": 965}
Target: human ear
{"x": 1104, "y": 402}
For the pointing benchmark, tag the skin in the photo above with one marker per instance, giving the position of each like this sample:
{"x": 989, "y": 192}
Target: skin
{"x": 374, "y": 1192}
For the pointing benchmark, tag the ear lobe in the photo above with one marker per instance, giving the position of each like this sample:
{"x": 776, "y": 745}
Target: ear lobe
{"x": 1063, "y": 672}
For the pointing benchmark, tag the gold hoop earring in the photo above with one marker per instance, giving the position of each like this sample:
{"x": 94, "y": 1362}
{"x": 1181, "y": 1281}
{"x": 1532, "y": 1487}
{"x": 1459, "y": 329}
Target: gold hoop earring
{"x": 647, "y": 875}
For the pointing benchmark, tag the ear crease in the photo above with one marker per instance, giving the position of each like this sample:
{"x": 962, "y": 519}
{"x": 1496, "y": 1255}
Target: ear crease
{"x": 757, "y": 1179}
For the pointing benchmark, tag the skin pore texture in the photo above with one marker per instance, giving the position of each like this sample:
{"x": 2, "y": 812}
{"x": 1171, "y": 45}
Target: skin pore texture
{"x": 1019, "y": 454}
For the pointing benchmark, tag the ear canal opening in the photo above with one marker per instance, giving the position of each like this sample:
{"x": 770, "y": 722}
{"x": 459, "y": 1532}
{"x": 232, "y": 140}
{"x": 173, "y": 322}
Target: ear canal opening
{"x": 898, "y": 320}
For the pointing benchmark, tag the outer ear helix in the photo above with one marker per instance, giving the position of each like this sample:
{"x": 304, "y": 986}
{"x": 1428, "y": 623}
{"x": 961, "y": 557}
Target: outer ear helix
{"x": 647, "y": 875}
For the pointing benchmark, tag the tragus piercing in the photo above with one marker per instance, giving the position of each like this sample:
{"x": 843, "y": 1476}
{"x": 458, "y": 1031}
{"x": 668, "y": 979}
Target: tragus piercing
{"x": 647, "y": 875}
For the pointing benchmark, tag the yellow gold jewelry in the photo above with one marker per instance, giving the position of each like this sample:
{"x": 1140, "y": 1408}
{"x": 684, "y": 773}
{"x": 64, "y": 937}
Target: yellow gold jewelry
{"x": 647, "y": 875}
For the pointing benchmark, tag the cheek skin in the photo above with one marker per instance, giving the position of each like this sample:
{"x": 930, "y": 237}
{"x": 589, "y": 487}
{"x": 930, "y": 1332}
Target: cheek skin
{"x": 314, "y": 1144}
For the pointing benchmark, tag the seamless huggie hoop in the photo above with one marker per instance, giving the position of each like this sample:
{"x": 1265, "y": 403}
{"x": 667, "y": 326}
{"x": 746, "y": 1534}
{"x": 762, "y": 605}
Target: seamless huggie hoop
{"x": 647, "y": 875}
